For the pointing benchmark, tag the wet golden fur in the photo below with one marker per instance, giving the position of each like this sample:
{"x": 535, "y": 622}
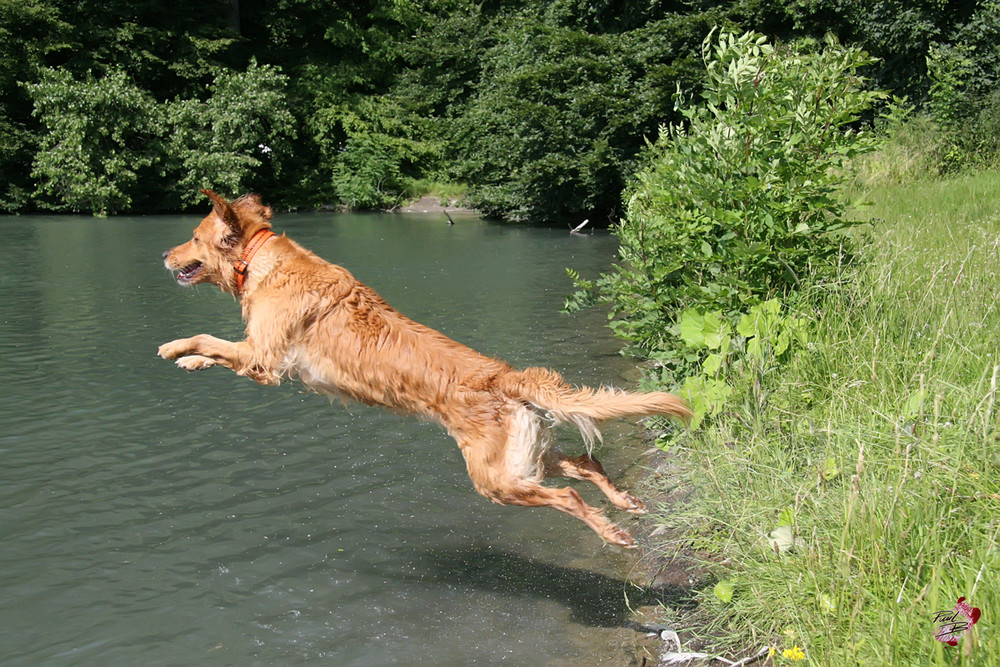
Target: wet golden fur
{"x": 310, "y": 319}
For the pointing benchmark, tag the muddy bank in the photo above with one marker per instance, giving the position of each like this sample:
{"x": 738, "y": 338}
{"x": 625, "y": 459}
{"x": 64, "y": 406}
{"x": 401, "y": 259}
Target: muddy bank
{"x": 431, "y": 205}
{"x": 670, "y": 573}
{"x": 647, "y": 589}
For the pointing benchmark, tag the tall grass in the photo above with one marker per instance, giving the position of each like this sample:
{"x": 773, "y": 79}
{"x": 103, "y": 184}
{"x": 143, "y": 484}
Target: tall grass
{"x": 448, "y": 192}
{"x": 912, "y": 150}
{"x": 878, "y": 448}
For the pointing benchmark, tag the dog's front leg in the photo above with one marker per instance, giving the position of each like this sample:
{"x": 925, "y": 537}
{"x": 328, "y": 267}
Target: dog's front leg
{"x": 203, "y": 351}
{"x": 195, "y": 362}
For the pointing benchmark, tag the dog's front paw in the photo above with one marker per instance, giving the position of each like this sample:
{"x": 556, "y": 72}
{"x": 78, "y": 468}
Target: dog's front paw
{"x": 174, "y": 349}
{"x": 195, "y": 362}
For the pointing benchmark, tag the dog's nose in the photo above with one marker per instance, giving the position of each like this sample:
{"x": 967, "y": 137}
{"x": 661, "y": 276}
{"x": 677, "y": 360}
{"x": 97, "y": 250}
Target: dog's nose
{"x": 165, "y": 253}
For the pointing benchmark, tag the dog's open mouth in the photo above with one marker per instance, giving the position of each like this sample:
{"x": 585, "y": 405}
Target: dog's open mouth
{"x": 189, "y": 273}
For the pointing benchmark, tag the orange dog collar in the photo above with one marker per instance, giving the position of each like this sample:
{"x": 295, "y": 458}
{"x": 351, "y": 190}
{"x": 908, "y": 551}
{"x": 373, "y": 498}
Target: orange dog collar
{"x": 257, "y": 241}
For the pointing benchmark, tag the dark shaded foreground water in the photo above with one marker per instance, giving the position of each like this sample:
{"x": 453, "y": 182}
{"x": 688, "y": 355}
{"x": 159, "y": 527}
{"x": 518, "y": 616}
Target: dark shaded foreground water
{"x": 148, "y": 516}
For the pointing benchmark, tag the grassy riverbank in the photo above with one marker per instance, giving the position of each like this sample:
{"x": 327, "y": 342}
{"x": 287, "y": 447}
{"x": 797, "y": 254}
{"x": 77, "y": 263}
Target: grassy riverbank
{"x": 858, "y": 494}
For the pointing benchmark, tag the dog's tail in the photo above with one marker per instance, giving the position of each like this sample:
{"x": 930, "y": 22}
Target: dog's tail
{"x": 545, "y": 389}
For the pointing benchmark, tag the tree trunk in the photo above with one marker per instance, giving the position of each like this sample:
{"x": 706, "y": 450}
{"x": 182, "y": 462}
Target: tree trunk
{"x": 232, "y": 14}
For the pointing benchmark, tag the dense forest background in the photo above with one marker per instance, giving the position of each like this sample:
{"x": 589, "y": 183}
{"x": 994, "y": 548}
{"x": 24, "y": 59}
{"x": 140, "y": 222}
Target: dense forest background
{"x": 541, "y": 109}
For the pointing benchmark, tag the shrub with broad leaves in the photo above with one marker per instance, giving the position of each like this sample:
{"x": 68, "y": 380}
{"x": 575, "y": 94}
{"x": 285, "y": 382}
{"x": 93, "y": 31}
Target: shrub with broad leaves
{"x": 740, "y": 202}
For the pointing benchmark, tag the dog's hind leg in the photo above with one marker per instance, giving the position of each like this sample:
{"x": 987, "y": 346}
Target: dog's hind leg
{"x": 588, "y": 468}
{"x": 499, "y": 471}
{"x": 568, "y": 500}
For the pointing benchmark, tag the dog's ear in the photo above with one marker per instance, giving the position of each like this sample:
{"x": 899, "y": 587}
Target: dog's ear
{"x": 225, "y": 212}
{"x": 253, "y": 204}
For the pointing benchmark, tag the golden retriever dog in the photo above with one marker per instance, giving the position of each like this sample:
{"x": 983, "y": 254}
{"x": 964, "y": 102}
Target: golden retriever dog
{"x": 312, "y": 320}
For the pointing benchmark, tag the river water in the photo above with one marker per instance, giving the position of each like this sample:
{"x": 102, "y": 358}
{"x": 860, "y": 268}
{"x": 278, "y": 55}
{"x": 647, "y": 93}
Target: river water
{"x": 149, "y": 516}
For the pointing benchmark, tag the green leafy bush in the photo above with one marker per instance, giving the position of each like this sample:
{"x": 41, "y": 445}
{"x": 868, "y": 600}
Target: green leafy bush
{"x": 96, "y": 141}
{"x": 538, "y": 141}
{"x": 239, "y": 137}
{"x": 740, "y": 202}
{"x": 964, "y": 103}
{"x": 559, "y": 113}
{"x": 372, "y": 148}
{"x": 109, "y": 145}
{"x": 30, "y": 32}
{"x": 736, "y": 355}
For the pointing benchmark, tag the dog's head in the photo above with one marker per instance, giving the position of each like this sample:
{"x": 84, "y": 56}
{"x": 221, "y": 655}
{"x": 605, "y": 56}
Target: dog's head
{"x": 218, "y": 241}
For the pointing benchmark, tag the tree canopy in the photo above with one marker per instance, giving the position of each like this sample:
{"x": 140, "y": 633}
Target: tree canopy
{"x": 541, "y": 108}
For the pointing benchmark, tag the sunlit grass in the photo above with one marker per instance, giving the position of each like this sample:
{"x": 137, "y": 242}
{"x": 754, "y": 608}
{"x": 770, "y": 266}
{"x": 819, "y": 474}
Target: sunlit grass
{"x": 881, "y": 442}
{"x": 912, "y": 151}
{"x": 446, "y": 192}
